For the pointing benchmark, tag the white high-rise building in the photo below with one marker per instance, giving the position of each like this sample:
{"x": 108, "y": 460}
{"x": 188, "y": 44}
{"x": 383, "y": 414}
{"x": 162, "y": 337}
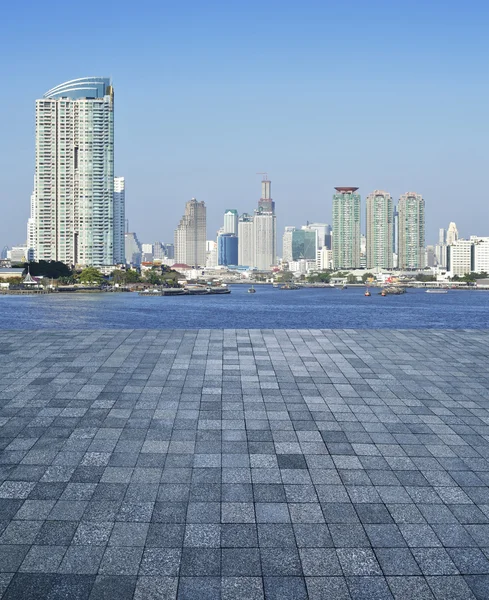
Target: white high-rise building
{"x": 119, "y": 219}
{"x": 32, "y": 230}
{"x": 452, "y": 234}
{"x": 73, "y": 207}
{"x": 481, "y": 254}
{"x": 287, "y": 244}
{"x": 246, "y": 241}
{"x": 191, "y": 235}
{"x": 380, "y": 232}
{"x": 230, "y": 221}
{"x": 460, "y": 257}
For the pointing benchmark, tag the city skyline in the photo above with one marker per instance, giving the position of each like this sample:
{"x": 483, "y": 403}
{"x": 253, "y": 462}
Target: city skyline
{"x": 276, "y": 106}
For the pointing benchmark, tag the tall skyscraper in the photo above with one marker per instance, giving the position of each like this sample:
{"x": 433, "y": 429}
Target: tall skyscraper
{"x": 73, "y": 212}
{"x": 287, "y": 244}
{"x": 246, "y": 241}
{"x": 231, "y": 221}
{"x": 265, "y": 233}
{"x": 380, "y": 226}
{"x": 119, "y": 219}
{"x": 346, "y": 228}
{"x": 411, "y": 231}
{"x": 452, "y": 234}
{"x": 191, "y": 235}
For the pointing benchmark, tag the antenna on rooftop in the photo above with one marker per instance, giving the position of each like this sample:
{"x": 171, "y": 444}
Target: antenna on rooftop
{"x": 263, "y": 173}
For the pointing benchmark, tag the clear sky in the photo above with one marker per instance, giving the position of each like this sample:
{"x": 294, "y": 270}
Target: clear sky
{"x": 379, "y": 94}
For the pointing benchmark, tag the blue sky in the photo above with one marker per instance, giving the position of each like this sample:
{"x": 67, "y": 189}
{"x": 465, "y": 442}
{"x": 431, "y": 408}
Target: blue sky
{"x": 379, "y": 94}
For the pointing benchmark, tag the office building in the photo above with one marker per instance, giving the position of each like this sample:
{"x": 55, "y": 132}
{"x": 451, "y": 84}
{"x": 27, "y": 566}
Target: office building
{"x": 230, "y": 221}
{"x": 380, "y": 230}
{"x": 304, "y": 244}
{"x": 411, "y": 254}
{"x": 346, "y": 228}
{"x": 246, "y": 241}
{"x": 119, "y": 219}
{"x": 132, "y": 249}
{"x": 481, "y": 254}
{"x": 325, "y": 259}
{"x": 323, "y": 233}
{"x": 191, "y": 234}
{"x": 227, "y": 249}
{"x": 75, "y": 217}
{"x": 287, "y": 244}
{"x": 460, "y": 257}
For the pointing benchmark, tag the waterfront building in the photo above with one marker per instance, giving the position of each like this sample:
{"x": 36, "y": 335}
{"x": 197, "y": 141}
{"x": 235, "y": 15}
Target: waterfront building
{"x": 246, "y": 241}
{"x": 325, "y": 259}
{"x": 346, "y": 228}
{"x": 411, "y": 253}
{"x": 452, "y": 234}
{"x": 230, "y": 221}
{"x": 190, "y": 235}
{"x": 119, "y": 219}
{"x": 133, "y": 249}
{"x": 73, "y": 217}
{"x": 460, "y": 257}
{"x": 481, "y": 254}
{"x": 287, "y": 244}
{"x": 227, "y": 249}
{"x": 302, "y": 266}
{"x": 380, "y": 230}
{"x": 304, "y": 244}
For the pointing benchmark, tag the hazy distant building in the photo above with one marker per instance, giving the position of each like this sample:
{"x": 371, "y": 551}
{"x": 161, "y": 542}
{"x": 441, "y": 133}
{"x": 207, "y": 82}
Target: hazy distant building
{"x": 430, "y": 256}
{"x": 442, "y": 236}
{"x": 411, "y": 210}
{"x": 191, "y": 234}
{"x": 133, "y": 250}
{"x": 246, "y": 241}
{"x": 119, "y": 219}
{"x": 227, "y": 249}
{"x": 304, "y": 244}
{"x": 380, "y": 230}
{"x": 287, "y": 244}
{"x": 264, "y": 229}
{"x": 211, "y": 254}
{"x": 346, "y": 228}
{"x": 452, "y": 234}
{"x": 230, "y": 221}
{"x": 75, "y": 217}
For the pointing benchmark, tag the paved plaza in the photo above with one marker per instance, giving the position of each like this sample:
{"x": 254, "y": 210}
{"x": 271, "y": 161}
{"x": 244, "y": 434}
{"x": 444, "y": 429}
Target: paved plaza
{"x": 244, "y": 465}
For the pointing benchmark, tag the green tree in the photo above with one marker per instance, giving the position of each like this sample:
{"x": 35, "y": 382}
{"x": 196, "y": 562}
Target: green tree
{"x": 153, "y": 277}
{"x": 367, "y": 276}
{"x": 124, "y": 277}
{"x": 90, "y": 275}
{"x": 425, "y": 277}
{"x": 351, "y": 278}
{"x": 51, "y": 269}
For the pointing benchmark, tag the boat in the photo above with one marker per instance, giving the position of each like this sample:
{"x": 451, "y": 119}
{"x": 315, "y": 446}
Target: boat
{"x": 367, "y": 293}
{"x": 251, "y": 290}
{"x": 383, "y": 293}
{"x": 197, "y": 288}
{"x": 437, "y": 291}
{"x": 289, "y": 286}
{"x": 219, "y": 289}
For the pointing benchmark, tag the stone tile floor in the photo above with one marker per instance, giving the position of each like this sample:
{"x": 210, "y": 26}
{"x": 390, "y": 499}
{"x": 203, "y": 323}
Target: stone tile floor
{"x": 244, "y": 464}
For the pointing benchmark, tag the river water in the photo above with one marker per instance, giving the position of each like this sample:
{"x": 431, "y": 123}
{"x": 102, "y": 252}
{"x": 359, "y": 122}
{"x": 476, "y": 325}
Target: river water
{"x": 269, "y": 308}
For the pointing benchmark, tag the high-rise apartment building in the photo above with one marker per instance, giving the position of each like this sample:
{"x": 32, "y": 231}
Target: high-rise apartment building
{"x": 380, "y": 227}
{"x": 411, "y": 210}
{"x": 346, "y": 228}
{"x": 73, "y": 218}
{"x": 265, "y": 229}
{"x": 287, "y": 244}
{"x": 191, "y": 235}
{"x": 246, "y": 241}
{"x": 230, "y": 221}
{"x": 119, "y": 219}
